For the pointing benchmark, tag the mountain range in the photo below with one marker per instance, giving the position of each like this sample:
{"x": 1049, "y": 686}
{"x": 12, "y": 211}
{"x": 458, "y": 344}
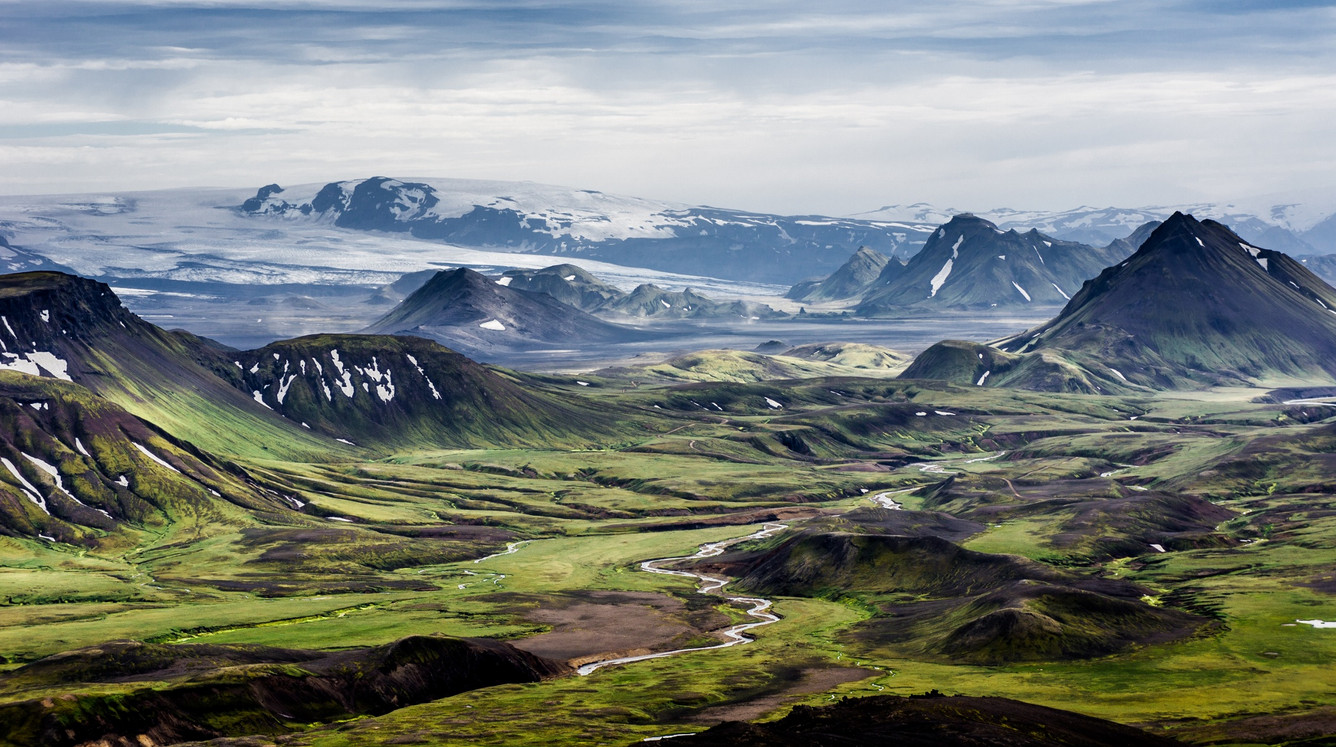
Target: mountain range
{"x": 575, "y": 287}
{"x": 1195, "y": 306}
{"x": 530, "y": 218}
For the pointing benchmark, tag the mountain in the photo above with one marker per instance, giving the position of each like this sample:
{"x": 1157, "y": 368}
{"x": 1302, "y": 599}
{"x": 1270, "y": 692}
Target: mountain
{"x": 1128, "y": 244}
{"x": 567, "y": 283}
{"x": 971, "y": 263}
{"x": 851, "y": 280}
{"x": 468, "y": 312}
{"x": 404, "y": 391}
{"x": 529, "y": 218}
{"x": 1195, "y": 306}
{"x": 1292, "y": 223}
{"x": 66, "y": 327}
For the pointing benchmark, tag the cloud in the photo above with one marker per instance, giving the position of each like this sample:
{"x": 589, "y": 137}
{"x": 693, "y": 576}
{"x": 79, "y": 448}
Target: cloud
{"x": 969, "y": 103}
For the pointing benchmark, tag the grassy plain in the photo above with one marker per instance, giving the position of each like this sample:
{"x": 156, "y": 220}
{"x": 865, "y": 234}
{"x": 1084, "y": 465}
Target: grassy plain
{"x": 387, "y": 549}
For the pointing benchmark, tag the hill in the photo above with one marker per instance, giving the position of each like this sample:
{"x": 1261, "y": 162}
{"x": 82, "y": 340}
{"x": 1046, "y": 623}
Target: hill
{"x": 567, "y": 283}
{"x": 805, "y": 362}
{"x": 382, "y": 390}
{"x": 946, "y": 602}
{"x": 971, "y": 263}
{"x": 155, "y": 694}
{"x": 468, "y": 312}
{"x": 927, "y": 721}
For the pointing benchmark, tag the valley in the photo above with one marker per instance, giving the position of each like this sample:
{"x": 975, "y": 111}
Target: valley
{"x": 696, "y": 510}
{"x": 385, "y": 549}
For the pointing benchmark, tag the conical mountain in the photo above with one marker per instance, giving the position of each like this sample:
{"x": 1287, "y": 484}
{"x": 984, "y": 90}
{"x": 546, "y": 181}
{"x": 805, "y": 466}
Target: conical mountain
{"x": 971, "y": 263}
{"x": 852, "y": 280}
{"x": 1196, "y": 305}
{"x": 567, "y": 283}
{"x": 468, "y": 312}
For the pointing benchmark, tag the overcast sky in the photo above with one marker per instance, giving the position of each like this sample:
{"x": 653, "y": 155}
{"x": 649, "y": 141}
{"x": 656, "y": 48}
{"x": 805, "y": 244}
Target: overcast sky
{"x": 795, "y": 107}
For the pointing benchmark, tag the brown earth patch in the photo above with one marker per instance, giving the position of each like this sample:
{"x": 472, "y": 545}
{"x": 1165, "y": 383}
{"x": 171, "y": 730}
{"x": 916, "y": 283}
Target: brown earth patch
{"x": 595, "y": 625}
{"x": 814, "y": 680}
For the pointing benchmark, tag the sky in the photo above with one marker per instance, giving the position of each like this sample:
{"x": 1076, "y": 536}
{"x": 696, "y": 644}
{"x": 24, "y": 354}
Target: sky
{"x": 784, "y": 106}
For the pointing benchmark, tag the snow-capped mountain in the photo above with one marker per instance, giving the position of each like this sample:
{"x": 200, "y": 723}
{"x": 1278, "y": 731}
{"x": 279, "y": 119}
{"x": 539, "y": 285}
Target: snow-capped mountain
{"x": 1279, "y": 221}
{"x": 529, "y": 218}
{"x": 971, "y": 263}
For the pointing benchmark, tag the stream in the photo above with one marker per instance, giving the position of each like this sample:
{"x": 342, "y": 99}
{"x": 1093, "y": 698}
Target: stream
{"x": 737, "y": 634}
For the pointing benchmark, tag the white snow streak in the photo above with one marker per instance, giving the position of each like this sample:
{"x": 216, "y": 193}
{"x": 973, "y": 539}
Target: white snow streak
{"x": 983, "y": 378}
{"x": 33, "y": 494}
{"x": 155, "y": 457}
{"x": 494, "y": 325}
{"x": 1022, "y": 290}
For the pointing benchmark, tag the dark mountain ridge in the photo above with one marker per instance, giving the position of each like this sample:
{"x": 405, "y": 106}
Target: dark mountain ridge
{"x": 1197, "y": 305}
{"x": 971, "y": 263}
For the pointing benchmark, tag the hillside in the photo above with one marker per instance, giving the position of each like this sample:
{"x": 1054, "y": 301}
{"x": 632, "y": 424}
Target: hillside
{"x": 405, "y": 391}
{"x": 77, "y": 468}
{"x": 66, "y": 327}
{"x": 970, "y": 263}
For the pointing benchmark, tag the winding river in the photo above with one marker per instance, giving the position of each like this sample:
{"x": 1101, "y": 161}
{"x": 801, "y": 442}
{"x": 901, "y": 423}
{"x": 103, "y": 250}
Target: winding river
{"x": 735, "y": 635}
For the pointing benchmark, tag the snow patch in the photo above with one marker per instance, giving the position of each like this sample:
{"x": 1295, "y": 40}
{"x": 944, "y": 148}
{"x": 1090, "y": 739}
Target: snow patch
{"x": 1119, "y": 374}
{"x": 80, "y": 447}
{"x": 943, "y": 412}
{"x": 434, "y": 393}
{"x": 11, "y": 329}
{"x": 945, "y": 272}
{"x": 156, "y": 458}
{"x": 504, "y": 282}
{"x": 1250, "y": 249}
{"x": 569, "y": 278}
{"x": 260, "y": 398}
{"x": 493, "y": 324}
{"x": 33, "y": 494}
{"x": 1262, "y": 261}
{"x": 582, "y": 383}
{"x": 345, "y": 441}
{"x": 983, "y": 378}
{"x": 773, "y": 404}
{"x": 35, "y": 363}
{"x": 46, "y": 316}
{"x": 1157, "y": 547}
{"x": 1199, "y": 242}
{"x": 1022, "y": 290}
{"x": 1317, "y": 623}
{"x": 1061, "y": 292}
